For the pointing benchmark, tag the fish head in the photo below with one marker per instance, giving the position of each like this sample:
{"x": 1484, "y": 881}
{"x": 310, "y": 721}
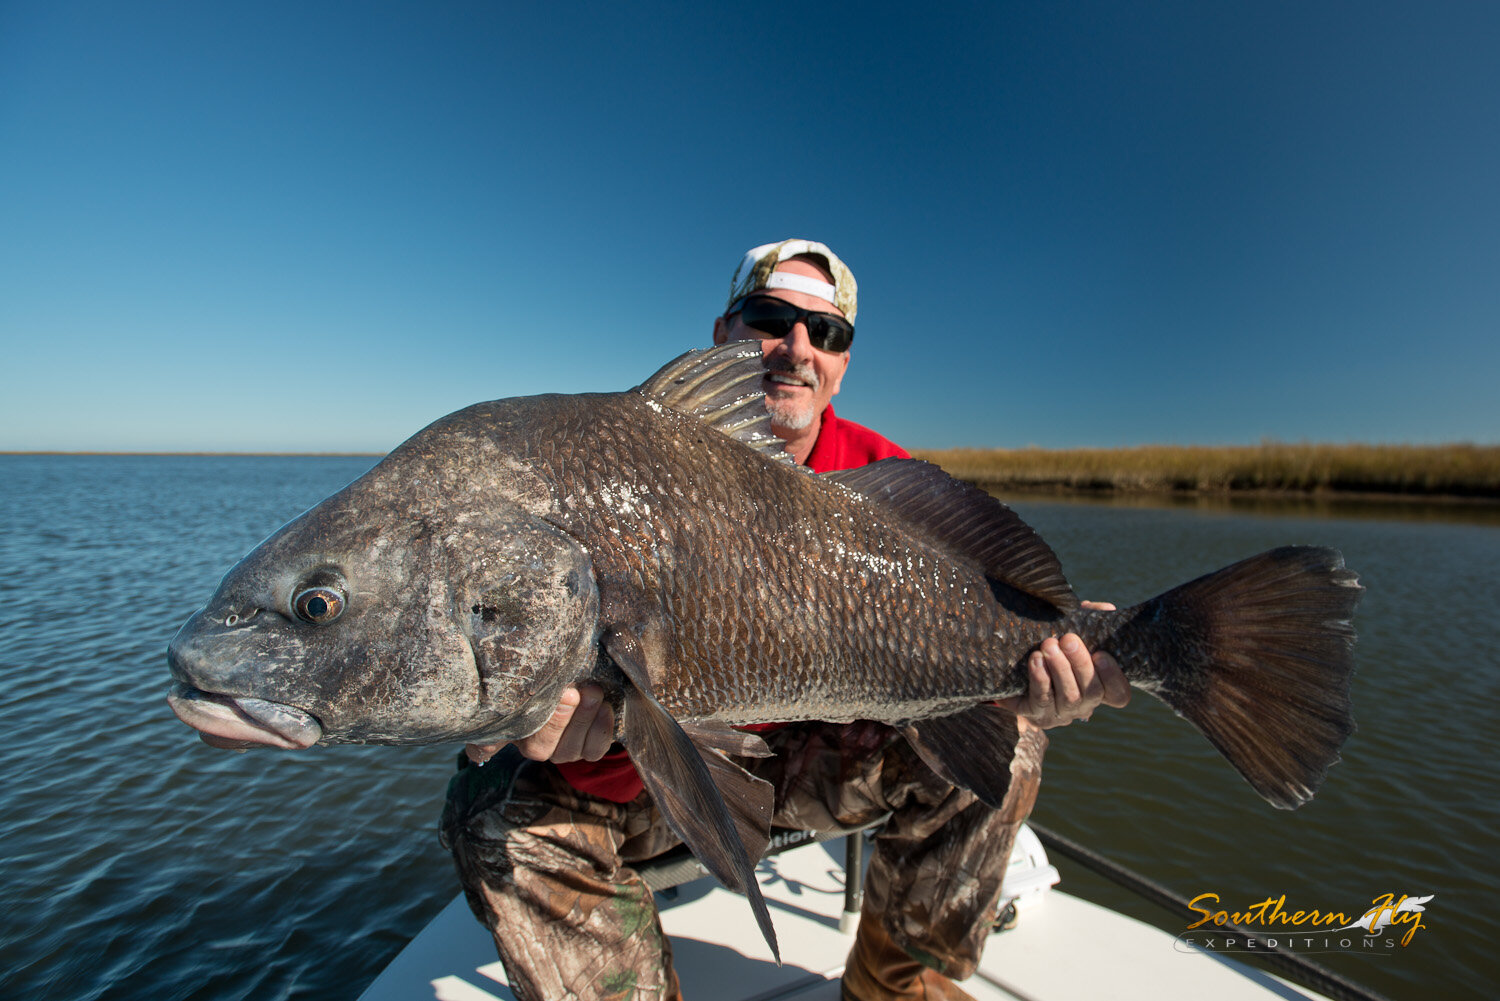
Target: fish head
{"x": 351, "y": 625}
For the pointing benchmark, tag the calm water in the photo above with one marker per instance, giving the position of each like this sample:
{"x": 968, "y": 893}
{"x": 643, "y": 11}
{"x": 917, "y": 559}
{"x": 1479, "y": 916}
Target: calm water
{"x": 140, "y": 863}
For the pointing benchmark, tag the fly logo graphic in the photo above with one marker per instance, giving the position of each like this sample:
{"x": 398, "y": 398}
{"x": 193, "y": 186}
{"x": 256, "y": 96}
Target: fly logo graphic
{"x": 1391, "y": 922}
{"x": 1408, "y": 912}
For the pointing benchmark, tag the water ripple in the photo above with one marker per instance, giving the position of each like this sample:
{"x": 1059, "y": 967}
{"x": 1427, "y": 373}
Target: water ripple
{"x": 140, "y": 863}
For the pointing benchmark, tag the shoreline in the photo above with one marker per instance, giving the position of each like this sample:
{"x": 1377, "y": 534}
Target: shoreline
{"x": 1317, "y": 495}
{"x": 1458, "y": 473}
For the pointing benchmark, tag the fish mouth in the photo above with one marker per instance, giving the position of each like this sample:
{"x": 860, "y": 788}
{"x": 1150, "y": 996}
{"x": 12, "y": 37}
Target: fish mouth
{"x": 239, "y": 723}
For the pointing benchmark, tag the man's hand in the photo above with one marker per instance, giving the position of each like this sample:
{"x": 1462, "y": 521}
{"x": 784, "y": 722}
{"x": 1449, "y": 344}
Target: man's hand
{"x": 582, "y": 728}
{"x": 1067, "y": 683}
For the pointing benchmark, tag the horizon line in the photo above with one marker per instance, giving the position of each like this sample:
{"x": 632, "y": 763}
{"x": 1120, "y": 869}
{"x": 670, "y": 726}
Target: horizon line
{"x": 273, "y": 453}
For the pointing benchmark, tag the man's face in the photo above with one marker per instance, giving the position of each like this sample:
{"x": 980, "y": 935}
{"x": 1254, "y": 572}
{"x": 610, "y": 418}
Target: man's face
{"x": 800, "y": 379}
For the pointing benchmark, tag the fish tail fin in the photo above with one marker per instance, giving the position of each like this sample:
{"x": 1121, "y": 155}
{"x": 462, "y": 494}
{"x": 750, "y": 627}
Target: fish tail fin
{"x": 1258, "y": 656}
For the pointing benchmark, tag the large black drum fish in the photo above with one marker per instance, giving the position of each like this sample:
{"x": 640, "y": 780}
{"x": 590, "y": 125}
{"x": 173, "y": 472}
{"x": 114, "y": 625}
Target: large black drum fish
{"x": 660, "y": 543}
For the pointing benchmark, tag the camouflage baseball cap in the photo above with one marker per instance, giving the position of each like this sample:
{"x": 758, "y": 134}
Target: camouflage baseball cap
{"x": 758, "y": 271}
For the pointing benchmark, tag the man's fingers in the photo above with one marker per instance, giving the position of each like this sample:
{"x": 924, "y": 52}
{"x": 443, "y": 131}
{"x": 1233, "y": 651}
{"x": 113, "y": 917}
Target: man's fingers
{"x": 573, "y": 744}
{"x": 1064, "y": 662}
{"x": 542, "y": 745}
{"x": 1116, "y": 687}
{"x": 601, "y": 734}
{"x": 1065, "y": 684}
{"x": 1039, "y": 696}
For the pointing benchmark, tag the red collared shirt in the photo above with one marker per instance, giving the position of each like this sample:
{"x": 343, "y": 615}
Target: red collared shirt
{"x": 841, "y": 444}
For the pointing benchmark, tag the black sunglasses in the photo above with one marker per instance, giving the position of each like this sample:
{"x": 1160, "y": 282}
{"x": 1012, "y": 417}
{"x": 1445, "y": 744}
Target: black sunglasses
{"x": 776, "y": 317}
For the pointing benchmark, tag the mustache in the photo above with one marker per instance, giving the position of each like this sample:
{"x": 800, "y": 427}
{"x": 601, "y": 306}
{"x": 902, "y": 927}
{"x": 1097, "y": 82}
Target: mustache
{"x": 802, "y": 372}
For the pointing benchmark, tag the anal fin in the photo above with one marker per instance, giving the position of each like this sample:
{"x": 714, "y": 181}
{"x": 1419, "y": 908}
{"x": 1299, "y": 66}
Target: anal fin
{"x": 685, "y": 784}
{"x": 971, "y": 749}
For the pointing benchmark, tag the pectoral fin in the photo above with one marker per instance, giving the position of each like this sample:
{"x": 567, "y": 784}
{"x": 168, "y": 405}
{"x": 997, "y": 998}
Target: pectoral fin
{"x": 685, "y": 784}
{"x": 971, "y": 749}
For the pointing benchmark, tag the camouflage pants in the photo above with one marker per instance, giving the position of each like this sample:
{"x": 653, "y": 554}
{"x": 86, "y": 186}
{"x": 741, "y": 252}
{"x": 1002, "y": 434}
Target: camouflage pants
{"x": 547, "y": 868}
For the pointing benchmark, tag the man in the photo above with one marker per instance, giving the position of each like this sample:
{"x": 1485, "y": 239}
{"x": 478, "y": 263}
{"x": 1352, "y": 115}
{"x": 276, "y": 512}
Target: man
{"x": 544, "y": 834}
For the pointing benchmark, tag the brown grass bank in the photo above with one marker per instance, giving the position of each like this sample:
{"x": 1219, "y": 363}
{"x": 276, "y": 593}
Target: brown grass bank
{"x": 1426, "y": 471}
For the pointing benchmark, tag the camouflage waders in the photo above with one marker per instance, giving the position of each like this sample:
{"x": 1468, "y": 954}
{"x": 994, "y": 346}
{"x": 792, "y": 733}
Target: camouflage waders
{"x": 548, "y": 868}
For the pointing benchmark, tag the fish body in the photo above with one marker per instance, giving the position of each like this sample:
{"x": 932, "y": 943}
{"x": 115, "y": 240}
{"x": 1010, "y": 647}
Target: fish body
{"x": 658, "y": 542}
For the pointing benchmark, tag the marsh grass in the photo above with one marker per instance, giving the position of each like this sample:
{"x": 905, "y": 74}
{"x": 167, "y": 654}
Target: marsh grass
{"x": 1458, "y": 470}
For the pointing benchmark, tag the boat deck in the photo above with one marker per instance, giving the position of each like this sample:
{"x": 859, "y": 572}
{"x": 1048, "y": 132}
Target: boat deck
{"x": 1062, "y": 948}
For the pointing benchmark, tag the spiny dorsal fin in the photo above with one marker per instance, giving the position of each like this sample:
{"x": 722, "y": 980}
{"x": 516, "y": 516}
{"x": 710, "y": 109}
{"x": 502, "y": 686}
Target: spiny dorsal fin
{"x": 965, "y": 521}
{"x": 721, "y": 387}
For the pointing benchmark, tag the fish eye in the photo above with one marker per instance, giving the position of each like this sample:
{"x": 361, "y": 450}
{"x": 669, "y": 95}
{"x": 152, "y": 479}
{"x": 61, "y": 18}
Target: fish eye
{"x": 318, "y": 605}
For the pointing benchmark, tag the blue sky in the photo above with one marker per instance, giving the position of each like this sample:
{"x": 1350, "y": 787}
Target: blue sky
{"x": 319, "y": 226}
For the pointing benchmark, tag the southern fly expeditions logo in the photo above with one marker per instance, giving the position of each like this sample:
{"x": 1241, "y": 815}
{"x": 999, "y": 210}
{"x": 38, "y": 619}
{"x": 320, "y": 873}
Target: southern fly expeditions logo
{"x": 1391, "y": 923}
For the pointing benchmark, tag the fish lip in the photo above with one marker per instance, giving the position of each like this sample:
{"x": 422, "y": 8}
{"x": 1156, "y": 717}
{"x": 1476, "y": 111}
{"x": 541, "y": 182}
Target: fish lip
{"x": 238, "y": 722}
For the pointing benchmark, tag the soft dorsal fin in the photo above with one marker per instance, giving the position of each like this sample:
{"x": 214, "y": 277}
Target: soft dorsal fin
{"x": 965, "y": 521}
{"x": 721, "y": 387}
